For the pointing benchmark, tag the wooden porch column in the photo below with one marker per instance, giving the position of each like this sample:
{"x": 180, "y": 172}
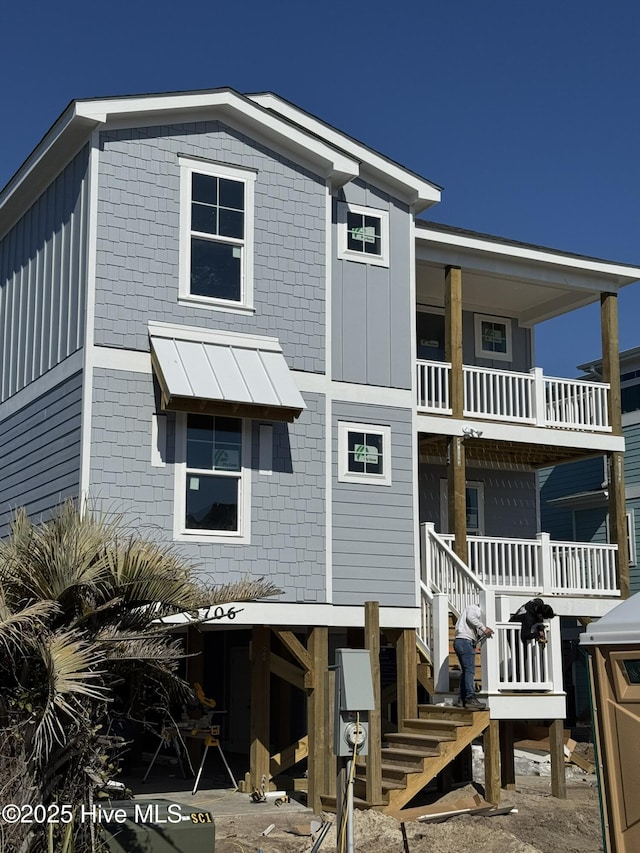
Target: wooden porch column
{"x": 320, "y": 750}
{"x": 374, "y": 753}
{"x": 453, "y": 337}
{"x": 259, "y": 721}
{"x": 407, "y": 666}
{"x": 615, "y": 461}
{"x": 556, "y": 748}
{"x": 491, "y": 743}
{"x": 456, "y": 469}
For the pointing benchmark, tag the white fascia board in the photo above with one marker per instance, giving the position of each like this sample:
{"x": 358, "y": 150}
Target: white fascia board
{"x": 301, "y": 614}
{"x": 206, "y": 336}
{"x": 336, "y": 164}
{"x": 498, "y": 431}
{"x": 621, "y": 273}
{"x": 424, "y": 193}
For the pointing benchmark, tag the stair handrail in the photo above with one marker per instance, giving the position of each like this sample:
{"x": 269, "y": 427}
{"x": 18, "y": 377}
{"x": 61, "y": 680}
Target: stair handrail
{"x": 463, "y": 587}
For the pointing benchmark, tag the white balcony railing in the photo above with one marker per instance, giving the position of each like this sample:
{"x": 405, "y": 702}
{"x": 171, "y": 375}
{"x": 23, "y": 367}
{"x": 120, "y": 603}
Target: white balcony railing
{"x": 540, "y": 566}
{"x": 526, "y": 398}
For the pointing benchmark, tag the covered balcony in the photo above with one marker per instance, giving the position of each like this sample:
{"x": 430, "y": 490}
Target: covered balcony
{"x": 520, "y": 398}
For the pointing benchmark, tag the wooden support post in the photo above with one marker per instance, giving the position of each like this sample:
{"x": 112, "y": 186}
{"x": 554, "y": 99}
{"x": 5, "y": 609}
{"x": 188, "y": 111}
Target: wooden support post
{"x": 406, "y": 662}
{"x": 507, "y": 762}
{"x": 374, "y": 752}
{"x": 457, "y": 494}
{"x": 453, "y": 337}
{"x": 259, "y": 755}
{"x": 491, "y": 741}
{"x": 330, "y": 682}
{"x": 556, "y": 748}
{"x": 319, "y": 750}
{"x": 611, "y": 375}
{"x": 456, "y": 469}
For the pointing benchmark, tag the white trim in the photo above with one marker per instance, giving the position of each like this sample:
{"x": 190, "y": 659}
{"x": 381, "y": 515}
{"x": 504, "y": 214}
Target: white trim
{"x": 478, "y": 485}
{"x": 111, "y": 358}
{"x": 502, "y": 431}
{"x": 206, "y": 336}
{"x": 305, "y": 614}
{"x": 246, "y": 177}
{"x": 625, "y": 274}
{"x": 324, "y": 382}
{"x": 424, "y": 192}
{"x": 346, "y": 254}
{"x": 225, "y": 102}
{"x": 631, "y": 533}
{"x": 415, "y": 446}
{"x": 265, "y": 449}
{"x": 478, "y": 320}
{"x": 347, "y": 476}
{"x": 180, "y": 534}
{"x": 90, "y": 311}
{"x": 375, "y": 395}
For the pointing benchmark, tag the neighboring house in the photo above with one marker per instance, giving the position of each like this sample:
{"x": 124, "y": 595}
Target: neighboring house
{"x": 574, "y": 501}
{"x": 222, "y": 319}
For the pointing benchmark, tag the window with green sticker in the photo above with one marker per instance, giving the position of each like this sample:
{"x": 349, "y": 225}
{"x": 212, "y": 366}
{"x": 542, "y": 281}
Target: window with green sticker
{"x": 365, "y": 454}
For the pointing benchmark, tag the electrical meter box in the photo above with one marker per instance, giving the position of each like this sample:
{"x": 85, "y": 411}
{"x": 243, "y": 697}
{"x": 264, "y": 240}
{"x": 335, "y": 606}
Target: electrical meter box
{"x": 354, "y": 699}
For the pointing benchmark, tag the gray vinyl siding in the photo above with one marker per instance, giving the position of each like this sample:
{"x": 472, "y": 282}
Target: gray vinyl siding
{"x": 520, "y": 341}
{"x": 372, "y": 312}
{"x": 569, "y": 479}
{"x": 40, "y": 452}
{"x": 138, "y": 242}
{"x": 510, "y": 500}
{"x": 42, "y": 280}
{"x": 287, "y": 506}
{"x": 373, "y": 525}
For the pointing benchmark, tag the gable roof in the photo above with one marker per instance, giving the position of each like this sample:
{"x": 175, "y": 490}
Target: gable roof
{"x": 334, "y": 156}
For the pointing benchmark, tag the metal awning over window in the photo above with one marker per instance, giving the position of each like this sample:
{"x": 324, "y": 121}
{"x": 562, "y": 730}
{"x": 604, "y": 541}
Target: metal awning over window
{"x": 223, "y": 373}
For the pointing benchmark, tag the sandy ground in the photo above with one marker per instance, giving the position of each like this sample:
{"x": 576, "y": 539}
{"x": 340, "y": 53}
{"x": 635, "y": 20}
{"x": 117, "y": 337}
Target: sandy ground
{"x": 542, "y": 824}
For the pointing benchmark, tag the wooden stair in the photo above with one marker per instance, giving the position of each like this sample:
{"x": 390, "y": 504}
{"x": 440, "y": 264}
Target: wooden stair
{"x": 420, "y": 750}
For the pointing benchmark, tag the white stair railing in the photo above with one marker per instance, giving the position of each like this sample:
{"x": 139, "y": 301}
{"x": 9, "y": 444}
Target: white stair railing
{"x": 445, "y": 572}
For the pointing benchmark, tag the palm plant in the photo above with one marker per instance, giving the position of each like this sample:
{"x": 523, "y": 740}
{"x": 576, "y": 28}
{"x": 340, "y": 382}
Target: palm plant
{"x": 85, "y": 643}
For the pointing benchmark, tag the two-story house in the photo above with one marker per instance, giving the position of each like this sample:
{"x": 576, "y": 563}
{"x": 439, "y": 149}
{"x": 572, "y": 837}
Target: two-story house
{"x": 222, "y": 318}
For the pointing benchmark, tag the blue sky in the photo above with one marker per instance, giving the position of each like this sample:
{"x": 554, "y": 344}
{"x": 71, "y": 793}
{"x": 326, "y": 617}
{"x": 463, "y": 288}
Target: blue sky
{"x": 525, "y": 112}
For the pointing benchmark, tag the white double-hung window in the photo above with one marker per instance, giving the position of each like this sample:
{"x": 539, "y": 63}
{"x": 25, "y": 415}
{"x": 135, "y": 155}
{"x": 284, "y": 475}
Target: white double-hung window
{"x": 216, "y": 234}
{"x": 213, "y": 497}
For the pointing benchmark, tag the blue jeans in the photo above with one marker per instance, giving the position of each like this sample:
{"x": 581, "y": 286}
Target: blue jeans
{"x": 465, "y": 650}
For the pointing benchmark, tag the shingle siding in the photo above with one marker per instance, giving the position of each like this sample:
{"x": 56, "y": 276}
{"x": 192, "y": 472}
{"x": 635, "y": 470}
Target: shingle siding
{"x": 138, "y": 247}
{"x": 287, "y": 506}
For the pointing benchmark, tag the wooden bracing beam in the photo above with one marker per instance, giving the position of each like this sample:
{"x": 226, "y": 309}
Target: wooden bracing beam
{"x": 289, "y": 672}
{"x": 295, "y": 647}
{"x": 294, "y": 753}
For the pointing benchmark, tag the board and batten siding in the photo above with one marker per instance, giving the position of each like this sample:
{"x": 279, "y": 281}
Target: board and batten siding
{"x": 510, "y": 499}
{"x": 40, "y": 452}
{"x": 42, "y": 280}
{"x": 372, "y": 312}
{"x": 373, "y": 525}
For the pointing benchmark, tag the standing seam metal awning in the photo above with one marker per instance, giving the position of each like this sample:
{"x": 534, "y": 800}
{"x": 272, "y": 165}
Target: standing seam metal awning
{"x": 245, "y": 378}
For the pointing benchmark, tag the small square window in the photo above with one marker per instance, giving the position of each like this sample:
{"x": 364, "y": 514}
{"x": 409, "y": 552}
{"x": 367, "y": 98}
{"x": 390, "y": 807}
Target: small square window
{"x": 363, "y": 234}
{"x": 364, "y": 453}
{"x": 493, "y": 337}
{"x": 217, "y": 234}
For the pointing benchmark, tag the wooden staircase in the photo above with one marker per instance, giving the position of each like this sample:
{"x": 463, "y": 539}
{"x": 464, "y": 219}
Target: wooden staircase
{"x": 419, "y": 751}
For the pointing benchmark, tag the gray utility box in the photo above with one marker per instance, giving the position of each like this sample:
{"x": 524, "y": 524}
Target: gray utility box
{"x": 354, "y": 700}
{"x": 155, "y": 826}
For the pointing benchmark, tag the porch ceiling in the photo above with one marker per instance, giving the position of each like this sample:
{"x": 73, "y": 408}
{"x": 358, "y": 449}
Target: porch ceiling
{"x": 509, "y": 455}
